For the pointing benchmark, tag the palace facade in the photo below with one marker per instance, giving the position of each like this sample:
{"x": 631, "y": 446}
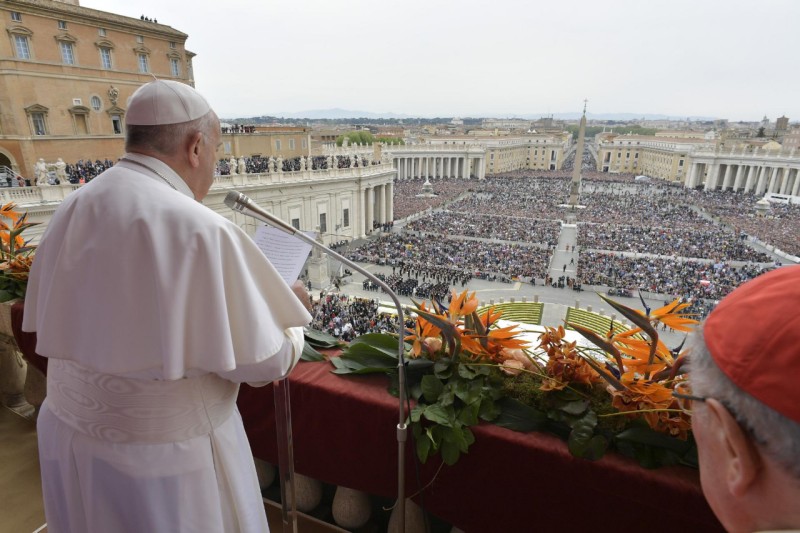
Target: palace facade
{"x": 66, "y": 73}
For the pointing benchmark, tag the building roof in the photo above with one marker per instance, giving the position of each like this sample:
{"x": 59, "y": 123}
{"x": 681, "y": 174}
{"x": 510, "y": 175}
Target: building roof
{"x": 103, "y": 18}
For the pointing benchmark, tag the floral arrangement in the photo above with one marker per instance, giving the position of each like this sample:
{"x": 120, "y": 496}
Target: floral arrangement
{"x": 463, "y": 368}
{"x": 16, "y": 255}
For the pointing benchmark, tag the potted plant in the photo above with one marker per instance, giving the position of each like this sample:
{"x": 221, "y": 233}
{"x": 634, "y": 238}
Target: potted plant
{"x": 16, "y": 257}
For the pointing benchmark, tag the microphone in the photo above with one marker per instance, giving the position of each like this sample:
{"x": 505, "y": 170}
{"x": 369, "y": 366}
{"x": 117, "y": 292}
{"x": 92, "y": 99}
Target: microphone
{"x": 241, "y": 203}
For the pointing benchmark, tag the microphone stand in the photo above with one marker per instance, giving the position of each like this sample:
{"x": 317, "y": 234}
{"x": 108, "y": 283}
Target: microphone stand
{"x": 241, "y": 203}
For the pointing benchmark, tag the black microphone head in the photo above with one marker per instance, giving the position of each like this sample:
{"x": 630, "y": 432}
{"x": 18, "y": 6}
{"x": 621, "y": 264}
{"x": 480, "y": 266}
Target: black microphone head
{"x": 233, "y": 198}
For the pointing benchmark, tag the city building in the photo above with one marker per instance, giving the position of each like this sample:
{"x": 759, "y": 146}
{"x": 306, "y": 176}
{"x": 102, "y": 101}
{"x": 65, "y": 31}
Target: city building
{"x": 66, "y": 73}
{"x": 506, "y": 153}
{"x": 265, "y": 141}
{"x": 666, "y": 158}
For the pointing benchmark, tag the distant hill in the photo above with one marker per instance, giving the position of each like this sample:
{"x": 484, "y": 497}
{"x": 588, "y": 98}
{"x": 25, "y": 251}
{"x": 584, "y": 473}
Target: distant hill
{"x": 336, "y": 113}
{"x": 342, "y": 114}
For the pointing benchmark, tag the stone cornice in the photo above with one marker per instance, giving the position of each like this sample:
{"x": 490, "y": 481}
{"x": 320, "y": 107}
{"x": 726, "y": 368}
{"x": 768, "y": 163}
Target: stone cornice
{"x": 101, "y": 18}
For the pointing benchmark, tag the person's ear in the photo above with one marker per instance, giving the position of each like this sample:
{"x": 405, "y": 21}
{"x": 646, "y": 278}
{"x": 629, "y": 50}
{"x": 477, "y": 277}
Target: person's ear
{"x": 742, "y": 460}
{"x": 194, "y": 148}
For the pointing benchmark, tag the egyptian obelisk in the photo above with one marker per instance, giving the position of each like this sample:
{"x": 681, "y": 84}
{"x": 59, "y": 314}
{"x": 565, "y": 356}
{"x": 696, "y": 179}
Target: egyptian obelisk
{"x": 575, "y": 184}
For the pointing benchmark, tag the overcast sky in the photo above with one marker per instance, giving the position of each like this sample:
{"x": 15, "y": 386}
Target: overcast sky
{"x": 732, "y": 59}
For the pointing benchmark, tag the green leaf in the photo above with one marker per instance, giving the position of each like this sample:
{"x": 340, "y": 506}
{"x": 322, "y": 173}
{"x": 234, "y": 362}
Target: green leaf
{"x": 469, "y": 438}
{"x": 439, "y": 415}
{"x": 597, "y": 448}
{"x": 6, "y": 296}
{"x": 456, "y": 436}
{"x": 517, "y": 416}
{"x": 462, "y": 391}
{"x": 418, "y": 365}
{"x": 423, "y": 448}
{"x": 435, "y": 434}
{"x": 468, "y": 415}
{"x": 368, "y": 357}
{"x": 388, "y": 344}
{"x": 489, "y": 410}
{"x": 642, "y": 434}
{"x": 443, "y": 368}
{"x": 310, "y": 354}
{"x": 467, "y": 371}
{"x": 415, "y": 390}
{"x": 576, "y": 407}
{"x": 319, "y": 339}
{"x": 450, "y": 452}
{"x": 581, "y": 434}
{"x": 432, "y": 387}
{"x": 416, "y": 413}
{"x": 447, "y": 396}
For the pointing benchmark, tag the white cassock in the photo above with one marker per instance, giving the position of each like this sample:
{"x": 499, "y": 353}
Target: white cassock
{"x": 152, "y": 309}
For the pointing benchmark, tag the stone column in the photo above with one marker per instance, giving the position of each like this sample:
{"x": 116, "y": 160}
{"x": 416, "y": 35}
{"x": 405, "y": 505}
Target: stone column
{"x": 359, "y": 215}
{"x": 796, "y": 187}
{"x": 751, "y": 178}
{"x": 762, "y": 181}
{"x": 711, "y": 179}
{"x": 389, "y": 193}
{"x": 482, "y": 170}
{"x": 785, "y": 181}
{"x": 737, "y": 184}
{"x": 381, "y": 203}
{"x": 691, "y": 176}
{"x": 772, "y": 179}
{"x": 726, "y": 182}
{"x": 370, "y": 204}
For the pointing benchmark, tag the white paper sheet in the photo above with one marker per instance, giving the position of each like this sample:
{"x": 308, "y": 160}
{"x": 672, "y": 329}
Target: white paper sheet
{"x": 286, "y": 252}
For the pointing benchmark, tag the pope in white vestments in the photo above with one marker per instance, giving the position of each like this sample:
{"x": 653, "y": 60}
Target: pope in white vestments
{"x": 152, "y": 309}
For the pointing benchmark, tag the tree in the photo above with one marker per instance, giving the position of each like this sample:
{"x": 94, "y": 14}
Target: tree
{"x": 356, "y": 137}
{"x": 760, "y": 132}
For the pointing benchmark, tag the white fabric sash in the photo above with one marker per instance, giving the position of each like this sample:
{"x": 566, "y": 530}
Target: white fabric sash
{"x": 125, "y": 410}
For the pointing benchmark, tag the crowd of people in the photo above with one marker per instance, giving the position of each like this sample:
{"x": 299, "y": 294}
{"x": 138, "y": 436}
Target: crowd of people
{"x": 706, "y": 242}
{"x": 86, "y": 170}
{"x": 411, "y": 287}
{"x": 689, "y": 279}
{"x": 406, "y": 201}
{"x": 495, "y": 227}
{"x": 479, "y": 258}
{"x": 676, "y": 225}
{"x": 261, "y": 165}
{"x": 779, "y": 227}
{"x": 347, "y": 317}
{"x": 535, "y": 198}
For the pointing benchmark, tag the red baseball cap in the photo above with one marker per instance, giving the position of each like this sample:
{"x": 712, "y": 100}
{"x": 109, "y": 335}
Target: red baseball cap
{"x": 753, "y": 336}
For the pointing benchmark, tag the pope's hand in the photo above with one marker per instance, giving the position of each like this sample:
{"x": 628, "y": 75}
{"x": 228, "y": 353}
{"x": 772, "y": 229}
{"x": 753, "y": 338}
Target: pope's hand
{"x": 300, "y": 291}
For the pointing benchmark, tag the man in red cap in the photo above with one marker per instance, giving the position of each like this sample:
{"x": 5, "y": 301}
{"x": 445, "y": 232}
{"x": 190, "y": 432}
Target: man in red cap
{"x": 744, "y": 370}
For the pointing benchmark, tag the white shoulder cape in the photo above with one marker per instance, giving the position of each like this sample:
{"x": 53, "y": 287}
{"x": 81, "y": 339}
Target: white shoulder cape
{"x": 132, "y": 275}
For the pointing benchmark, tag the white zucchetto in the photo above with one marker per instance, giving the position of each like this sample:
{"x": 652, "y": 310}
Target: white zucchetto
{"x": 165, "y": 102}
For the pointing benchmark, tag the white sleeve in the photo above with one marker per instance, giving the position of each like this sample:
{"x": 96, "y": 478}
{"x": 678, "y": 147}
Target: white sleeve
{"x": 276, "y": 366}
